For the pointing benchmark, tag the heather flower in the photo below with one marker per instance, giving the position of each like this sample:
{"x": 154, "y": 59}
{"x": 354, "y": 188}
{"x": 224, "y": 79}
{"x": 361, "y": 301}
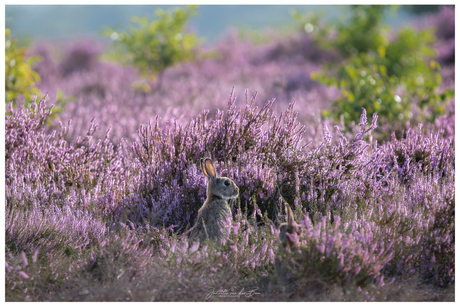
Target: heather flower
{"x": 194, "y": 246}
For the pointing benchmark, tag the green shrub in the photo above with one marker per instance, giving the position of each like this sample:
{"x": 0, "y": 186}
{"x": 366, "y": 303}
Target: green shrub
{"x": 155, "y": 45}
{"x": 363, "y": 83}
{"x": 364, "y": 32}
{"x": 379, "y": 74}
{"x": 20, "y": 78}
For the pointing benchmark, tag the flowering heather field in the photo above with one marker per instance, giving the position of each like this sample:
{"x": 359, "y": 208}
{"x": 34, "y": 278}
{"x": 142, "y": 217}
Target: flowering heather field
{"x": 100, "y": 197}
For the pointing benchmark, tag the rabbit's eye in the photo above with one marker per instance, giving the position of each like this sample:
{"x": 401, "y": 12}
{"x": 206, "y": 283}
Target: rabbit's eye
{"x": 227, "y": 183}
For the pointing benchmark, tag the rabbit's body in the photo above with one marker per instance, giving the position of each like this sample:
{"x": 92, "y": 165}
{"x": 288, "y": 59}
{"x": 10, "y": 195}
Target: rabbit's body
{"x": 283, "y": 272}
{"x": 209, "y": 221}
{"x": 215, "y": 209}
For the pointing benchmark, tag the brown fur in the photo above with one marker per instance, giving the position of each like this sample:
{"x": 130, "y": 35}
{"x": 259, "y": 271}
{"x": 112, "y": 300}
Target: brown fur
{"x": 215, "y": 209}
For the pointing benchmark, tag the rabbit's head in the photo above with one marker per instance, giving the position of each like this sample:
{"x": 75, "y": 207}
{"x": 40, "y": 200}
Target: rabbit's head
{"x": 219, "y": 187}
{"x": 290, "y": 228}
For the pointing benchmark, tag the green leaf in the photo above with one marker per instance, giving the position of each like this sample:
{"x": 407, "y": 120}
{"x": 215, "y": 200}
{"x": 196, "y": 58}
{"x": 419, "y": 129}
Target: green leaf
{"x": 154, "y": 45}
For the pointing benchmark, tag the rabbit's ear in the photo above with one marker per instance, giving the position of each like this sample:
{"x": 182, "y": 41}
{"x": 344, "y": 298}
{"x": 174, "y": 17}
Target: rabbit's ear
{"x": 290, "y": 220}
{"x": 208, "y": 168}
{"x": 204, "y": 168}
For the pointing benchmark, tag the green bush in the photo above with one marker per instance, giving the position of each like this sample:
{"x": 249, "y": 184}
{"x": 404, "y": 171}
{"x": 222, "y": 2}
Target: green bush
{"x": 363, "y": 83}
{"x": 155, "y": 45}
{"x": 20, "y": 78}
{"x": 379, "y": 74}
{"x": 364, "y": 32}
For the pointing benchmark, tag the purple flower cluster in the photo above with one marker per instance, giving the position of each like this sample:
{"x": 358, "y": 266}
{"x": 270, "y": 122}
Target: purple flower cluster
{"x": 51, "y": 183}
{"x": 350, "y": 252}
{"x": 43, "y": 168}
{"x": 119, "y": 98}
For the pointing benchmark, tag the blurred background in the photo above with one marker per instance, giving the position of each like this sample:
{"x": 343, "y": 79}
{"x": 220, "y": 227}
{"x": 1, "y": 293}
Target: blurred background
{"x": 124, "y": 64}
{"x": 63, "y": 21}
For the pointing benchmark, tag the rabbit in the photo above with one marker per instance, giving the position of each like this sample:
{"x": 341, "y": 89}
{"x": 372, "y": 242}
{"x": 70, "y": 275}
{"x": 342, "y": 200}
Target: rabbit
{"x": 282, "y": 271}
{"x": 215, "y": 209}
